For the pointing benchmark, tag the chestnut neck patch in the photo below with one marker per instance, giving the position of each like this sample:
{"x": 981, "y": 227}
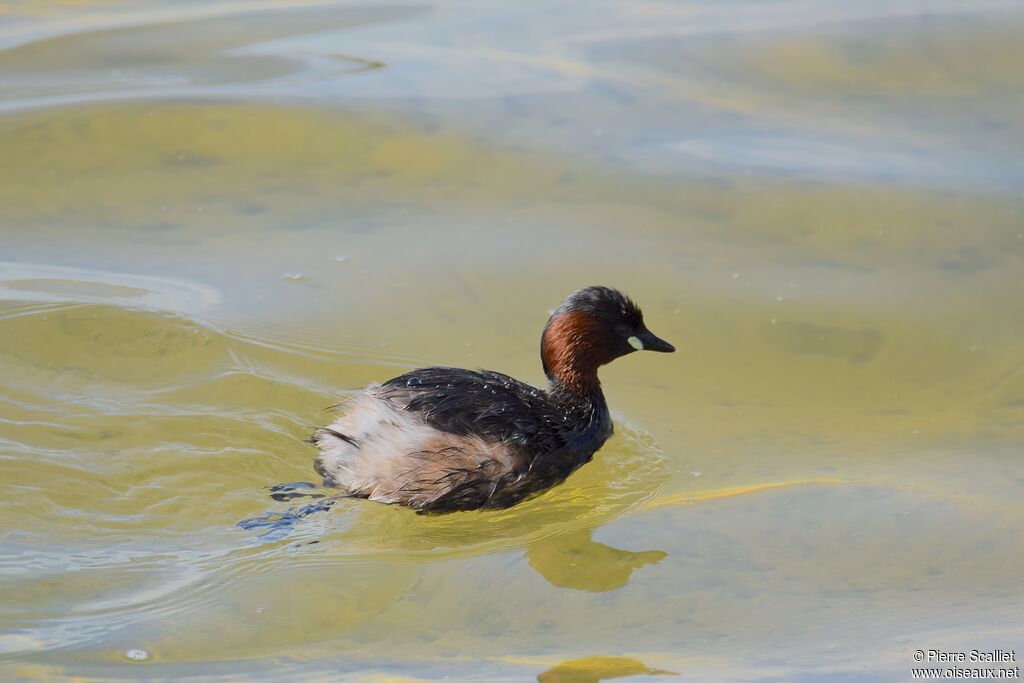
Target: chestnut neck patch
{"x": 573, "y": 347}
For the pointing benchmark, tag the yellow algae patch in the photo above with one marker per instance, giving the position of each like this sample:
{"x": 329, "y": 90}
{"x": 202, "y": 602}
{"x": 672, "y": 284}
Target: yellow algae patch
{"x": 163, "y": 166}
{"x": 594, "y": 669}
{"x": 730, "y": 492}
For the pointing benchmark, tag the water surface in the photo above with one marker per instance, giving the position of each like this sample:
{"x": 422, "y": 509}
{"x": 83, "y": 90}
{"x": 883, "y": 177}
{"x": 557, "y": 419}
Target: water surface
{"x": 220, "y": 219}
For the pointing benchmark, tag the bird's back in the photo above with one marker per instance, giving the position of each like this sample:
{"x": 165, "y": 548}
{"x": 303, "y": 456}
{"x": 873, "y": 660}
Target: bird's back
{"x": 440, "y": 439}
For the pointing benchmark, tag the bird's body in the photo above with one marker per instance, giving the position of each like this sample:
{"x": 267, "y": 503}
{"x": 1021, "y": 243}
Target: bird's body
{"x": 444, "y": 439}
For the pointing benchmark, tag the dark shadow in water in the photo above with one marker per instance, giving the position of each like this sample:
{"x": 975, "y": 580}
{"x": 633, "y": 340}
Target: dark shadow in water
{"x": 594, "y": 669}
{"x": 279, "y": 524}
{"x": 576, "y": 561}
{"x": 296, "y": 489}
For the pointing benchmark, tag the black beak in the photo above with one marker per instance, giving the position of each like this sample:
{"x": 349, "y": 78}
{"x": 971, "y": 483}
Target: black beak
{"x": 652, "y": 343}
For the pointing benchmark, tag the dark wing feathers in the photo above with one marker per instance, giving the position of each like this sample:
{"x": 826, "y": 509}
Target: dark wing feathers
{"x": 555, "y": 434}
{"x": 480, "y": 403}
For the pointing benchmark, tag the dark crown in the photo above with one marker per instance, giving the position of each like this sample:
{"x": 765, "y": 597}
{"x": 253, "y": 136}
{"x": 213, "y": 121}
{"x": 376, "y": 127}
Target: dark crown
{"x": 604, "y": 303}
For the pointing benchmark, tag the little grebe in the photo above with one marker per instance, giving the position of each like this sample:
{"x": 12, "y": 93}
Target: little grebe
{"x": 445, "y": 439}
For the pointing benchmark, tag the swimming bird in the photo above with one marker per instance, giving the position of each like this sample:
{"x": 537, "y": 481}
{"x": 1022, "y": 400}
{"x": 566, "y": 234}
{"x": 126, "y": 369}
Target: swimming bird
{"x": 443, "y": 439}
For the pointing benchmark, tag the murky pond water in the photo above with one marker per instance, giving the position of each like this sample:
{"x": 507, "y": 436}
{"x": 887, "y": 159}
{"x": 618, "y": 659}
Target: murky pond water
{"x": 218, "y": 219}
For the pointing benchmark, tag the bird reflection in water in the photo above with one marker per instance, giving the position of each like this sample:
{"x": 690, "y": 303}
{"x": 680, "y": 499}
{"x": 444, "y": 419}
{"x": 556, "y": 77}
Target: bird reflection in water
{"x": 569, "y": 560}
{"x": 574, "y": 560}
